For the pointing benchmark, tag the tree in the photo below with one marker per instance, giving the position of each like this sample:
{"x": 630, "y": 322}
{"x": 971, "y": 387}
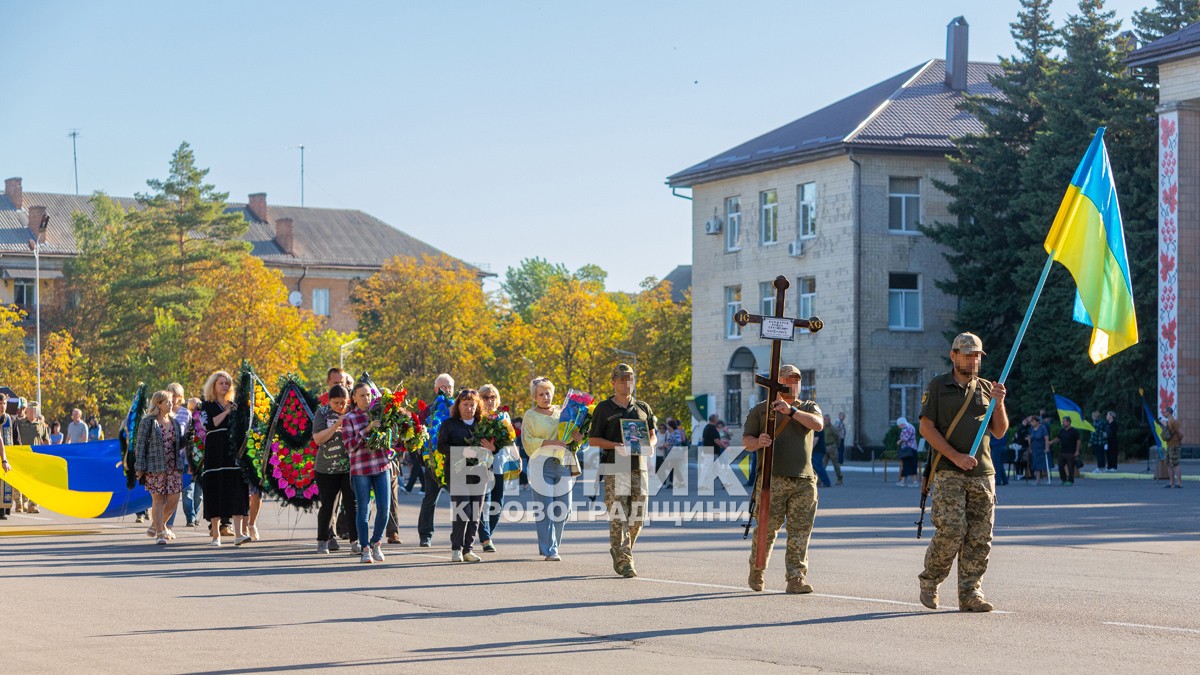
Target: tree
{"x": 63, "y": 378}
{"x": 1091, "y": 88}
{"x": 572, "y": 331}
{"x": 17, "y": 369}
{"x": 660, "y": 333}
{"x": 1010, "y": 180}
{"x": 184, "y": 223}
{"x": 422, "y": 317}
{"x": 1165, "y": 18}
{"x": 529, "y": 281}
{"x": 988, "y": 249}
{"x": 249, "y": 318}
{"x": 325, "y": 350}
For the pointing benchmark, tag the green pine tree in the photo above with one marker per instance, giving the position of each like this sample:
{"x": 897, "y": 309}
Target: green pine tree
{"x": 1166, "y": 17}
{"x": 987, "y": 250}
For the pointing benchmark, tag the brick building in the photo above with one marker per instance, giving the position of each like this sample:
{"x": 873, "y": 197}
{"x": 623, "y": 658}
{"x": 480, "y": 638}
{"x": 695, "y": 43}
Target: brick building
{"x": 832, "y": 201}
{"x": 322, "y": 253}
{"x": 1177, "y": 58}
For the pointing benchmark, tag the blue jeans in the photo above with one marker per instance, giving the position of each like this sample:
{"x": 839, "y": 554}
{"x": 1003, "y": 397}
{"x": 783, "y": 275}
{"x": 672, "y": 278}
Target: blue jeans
{"x": 381, "y": 483}
{"x": 553, "y": 518}
{"x": 818, "y": 462}
{"x": 193, "y": 494}
{"x": 490, "y": 516}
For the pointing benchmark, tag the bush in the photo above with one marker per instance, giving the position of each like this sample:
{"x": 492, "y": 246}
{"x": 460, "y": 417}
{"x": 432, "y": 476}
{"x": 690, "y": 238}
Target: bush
{"x": 891, "y": 443}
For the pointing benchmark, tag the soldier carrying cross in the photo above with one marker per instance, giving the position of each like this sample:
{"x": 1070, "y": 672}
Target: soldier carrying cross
{"x": 782, "y": 429}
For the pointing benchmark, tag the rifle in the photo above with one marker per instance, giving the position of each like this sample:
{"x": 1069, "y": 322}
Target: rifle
{"x": 935, "y": 456}
{"x": 753, "y": 502}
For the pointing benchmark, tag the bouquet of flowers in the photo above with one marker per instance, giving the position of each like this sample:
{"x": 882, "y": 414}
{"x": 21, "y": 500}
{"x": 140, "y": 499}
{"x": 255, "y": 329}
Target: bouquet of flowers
{"x": 495, "y": 428}
{"x": 199, "y": 434}
{"x": 397, "y": 423}
{"x": 576, "y": 415}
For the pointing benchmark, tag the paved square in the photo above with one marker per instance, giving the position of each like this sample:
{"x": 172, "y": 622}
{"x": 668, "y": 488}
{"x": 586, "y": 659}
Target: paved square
{"x": 1098, "y": 577}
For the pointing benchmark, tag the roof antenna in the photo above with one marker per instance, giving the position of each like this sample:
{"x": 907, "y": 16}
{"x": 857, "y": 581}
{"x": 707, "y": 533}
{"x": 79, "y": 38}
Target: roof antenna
{"x": 75, "y": 157}
{"x": 301, "y": 147}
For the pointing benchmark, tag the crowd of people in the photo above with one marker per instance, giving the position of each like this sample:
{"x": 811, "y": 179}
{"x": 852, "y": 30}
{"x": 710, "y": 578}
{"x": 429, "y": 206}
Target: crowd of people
{"x": 27, "y": 426}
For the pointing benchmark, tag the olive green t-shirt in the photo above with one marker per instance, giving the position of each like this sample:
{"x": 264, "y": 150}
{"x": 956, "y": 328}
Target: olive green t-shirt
{"x": 942, "y": 400}
{"x": 793, "y": 447}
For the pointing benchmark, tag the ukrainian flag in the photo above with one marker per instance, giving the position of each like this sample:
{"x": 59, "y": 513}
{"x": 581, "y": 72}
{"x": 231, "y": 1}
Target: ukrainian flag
{"x": 1155, "y": 427}
{"x": 1087, "y": 238}
{"x": 1068, "y": 409}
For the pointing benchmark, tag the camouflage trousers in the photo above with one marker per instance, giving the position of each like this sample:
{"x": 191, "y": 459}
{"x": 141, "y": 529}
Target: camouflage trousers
{"x": 794, "y": 501}
{"x": 625, "y": 502}
{"x": 964, "y": 509}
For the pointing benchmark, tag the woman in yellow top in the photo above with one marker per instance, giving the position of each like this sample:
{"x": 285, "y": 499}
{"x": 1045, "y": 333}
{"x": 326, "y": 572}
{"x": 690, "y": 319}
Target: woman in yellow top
{"x": 551, "y": 466}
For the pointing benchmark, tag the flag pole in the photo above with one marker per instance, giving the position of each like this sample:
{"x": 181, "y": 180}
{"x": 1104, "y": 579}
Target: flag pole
{"x": 1012, "y": 355}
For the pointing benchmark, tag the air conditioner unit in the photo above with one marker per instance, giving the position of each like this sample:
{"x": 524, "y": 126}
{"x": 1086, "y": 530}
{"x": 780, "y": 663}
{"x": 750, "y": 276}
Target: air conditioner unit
{"x": 796, "y": 248}
{"x": 712, "y": 226}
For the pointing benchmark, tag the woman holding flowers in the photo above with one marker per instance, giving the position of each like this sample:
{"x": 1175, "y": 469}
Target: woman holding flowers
{"x": 459, "y": 432}
{"x": 550, "y": 473}
{"x": 369, "y": 471}
{"x": 226, "y": 494}
{"x": 333, "y": 469}
{"x": 158, "y": 460}
{"x": 489, "y": 397}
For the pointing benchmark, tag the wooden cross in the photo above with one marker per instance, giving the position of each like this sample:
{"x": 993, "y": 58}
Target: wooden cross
{"x": 775, "y": 328}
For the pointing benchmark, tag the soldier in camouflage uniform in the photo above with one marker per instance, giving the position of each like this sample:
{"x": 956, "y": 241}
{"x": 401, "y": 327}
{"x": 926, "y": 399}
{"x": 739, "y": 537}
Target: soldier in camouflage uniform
{"x": 626, "y": 478}
{"x": 964, "y": 487}
{"x": 793, "y": 481}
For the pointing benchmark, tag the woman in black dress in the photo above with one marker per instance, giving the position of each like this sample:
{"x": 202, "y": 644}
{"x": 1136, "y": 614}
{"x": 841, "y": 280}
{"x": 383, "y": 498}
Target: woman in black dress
{"x": 226, "y": 494}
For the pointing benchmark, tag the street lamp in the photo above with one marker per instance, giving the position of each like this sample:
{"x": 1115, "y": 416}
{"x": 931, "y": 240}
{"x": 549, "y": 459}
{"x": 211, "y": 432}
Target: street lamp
{"x": 342, "y": 352}
{"x": 36, "y": 245}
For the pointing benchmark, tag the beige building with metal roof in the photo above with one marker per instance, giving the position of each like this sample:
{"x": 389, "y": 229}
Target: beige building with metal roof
{"x": 833, "y": 201}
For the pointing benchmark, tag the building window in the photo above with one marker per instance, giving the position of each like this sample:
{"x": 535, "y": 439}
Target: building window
{"x": 733, "y": 223}
{"x": 321, "y": 301}
{"x": 807, "y": 306}
{"x": 904, "y": 394}
{"x": 768, "y": 203}
{"x": 733, "y": 400}
{"x": 766, "y": 291}
{"x": 31, "y": 346}
{"x": 806, "y": 211}
{"x": 808, "y": 385}
{"x": 904, "y": 204}
{"x": 733, "y": 302}
{"x": 23, "y": 293}
{"x": 904, "y": 301}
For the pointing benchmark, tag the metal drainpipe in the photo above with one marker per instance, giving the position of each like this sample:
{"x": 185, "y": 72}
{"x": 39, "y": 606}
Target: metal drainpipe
{"x": 676, "y": 194}
{"x": 857, "y": 299}
{"x": 301, "y": 280}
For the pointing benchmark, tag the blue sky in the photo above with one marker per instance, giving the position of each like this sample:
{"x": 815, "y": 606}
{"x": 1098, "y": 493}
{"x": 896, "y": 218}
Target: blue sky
{"x": 492, "y": 130}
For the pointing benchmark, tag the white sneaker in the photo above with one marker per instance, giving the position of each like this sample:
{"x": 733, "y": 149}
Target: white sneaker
{"x": 253, "y": 533}
{"x": 376, "y": 552}
{"x": 366, "y": 555}
{"x": 356, "y": 547}
{"x": 215, "y": 542}
{"x": 553, "y": 558}
{"x": 456, "y": 556}
{"x": 238, "y": 541}
{"x": 1097, "y": 470}
{"x": 162, "y": 541}
{"x": 471, "y": 557}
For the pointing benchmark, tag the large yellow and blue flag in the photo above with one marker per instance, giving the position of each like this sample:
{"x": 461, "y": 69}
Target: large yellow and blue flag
{"x": 1088, "y": 239}
{"x": 1068, "y": 409}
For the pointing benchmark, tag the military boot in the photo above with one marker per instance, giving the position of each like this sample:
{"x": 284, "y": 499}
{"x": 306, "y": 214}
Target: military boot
{"x": 756, "y": 580}
{"x": 627, "y": 570}
{"x": 799, "y": 585}
{"x": 615, "y": 552}
{"x": 929, "y": 597}
{"x": 975, "y": 603}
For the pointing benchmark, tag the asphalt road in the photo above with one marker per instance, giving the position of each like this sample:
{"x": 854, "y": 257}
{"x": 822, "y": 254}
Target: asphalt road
{"x": 1097, "y": 577}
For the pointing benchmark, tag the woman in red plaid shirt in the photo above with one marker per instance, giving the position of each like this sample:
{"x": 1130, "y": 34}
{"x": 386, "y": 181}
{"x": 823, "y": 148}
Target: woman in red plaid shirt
{"x": 368, "y": 472}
